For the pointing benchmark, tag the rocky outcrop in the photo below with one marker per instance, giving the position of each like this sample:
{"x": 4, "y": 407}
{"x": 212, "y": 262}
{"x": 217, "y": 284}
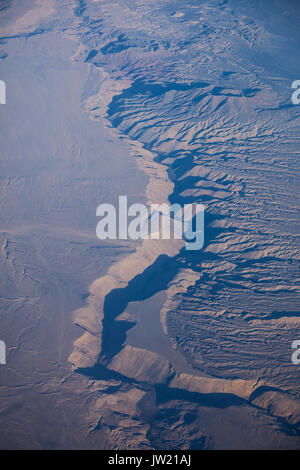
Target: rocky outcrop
{"x": 193, "y": 383}
{"x": 280, "y": 404}
{"x": 142, "y": 365}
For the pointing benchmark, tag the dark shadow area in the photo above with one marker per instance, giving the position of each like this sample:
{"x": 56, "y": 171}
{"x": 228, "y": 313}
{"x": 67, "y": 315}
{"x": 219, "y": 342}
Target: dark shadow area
{"x": 215, "y": 400}
{"x": 142, "y": 287}
{"x": 263, "y": 389}
{"x": 100, "y": 372}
